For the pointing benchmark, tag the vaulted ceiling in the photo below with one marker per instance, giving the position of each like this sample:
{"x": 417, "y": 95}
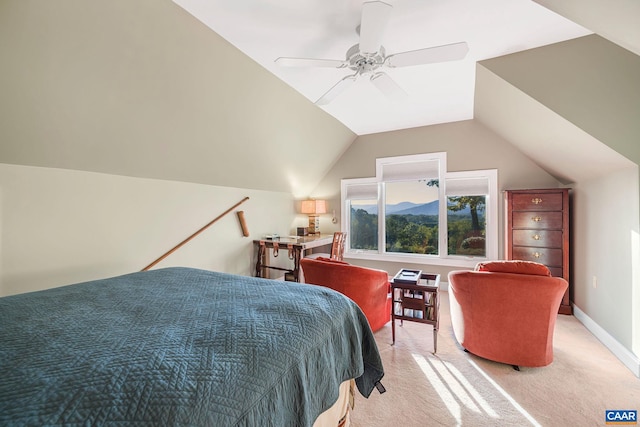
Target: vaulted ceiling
{"x": 436, "y": 93}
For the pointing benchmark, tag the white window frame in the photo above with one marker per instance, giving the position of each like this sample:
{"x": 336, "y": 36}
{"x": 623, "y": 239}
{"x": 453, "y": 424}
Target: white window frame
{"x": 443, "y": 258}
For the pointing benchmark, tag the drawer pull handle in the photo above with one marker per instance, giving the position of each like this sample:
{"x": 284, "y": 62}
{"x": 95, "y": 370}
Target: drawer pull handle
{"x": 536, "y": 219}
{"x": 536, "y": 201}
{"x": 537, "y": 254}
{"x": 536, "y": 237}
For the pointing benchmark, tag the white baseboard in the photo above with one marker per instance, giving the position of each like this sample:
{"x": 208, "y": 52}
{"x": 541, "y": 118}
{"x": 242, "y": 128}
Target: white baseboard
{"x": 629, "y": 359}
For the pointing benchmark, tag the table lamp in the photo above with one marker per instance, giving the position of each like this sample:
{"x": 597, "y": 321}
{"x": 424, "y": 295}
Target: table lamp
{"x": 313, "y": 208}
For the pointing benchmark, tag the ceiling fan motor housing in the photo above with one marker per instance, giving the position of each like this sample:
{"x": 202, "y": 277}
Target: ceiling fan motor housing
{"x": 364, "y": 63}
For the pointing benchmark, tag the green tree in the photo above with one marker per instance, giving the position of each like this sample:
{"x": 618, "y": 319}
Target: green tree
{"x": 364, "y": 230}
{"x": 411, "y": 234}
{"x": 457, "y": 203}
{"x": 476, "y": 204}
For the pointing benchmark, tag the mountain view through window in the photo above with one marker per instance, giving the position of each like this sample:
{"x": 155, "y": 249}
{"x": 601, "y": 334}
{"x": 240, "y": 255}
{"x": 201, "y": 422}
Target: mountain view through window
{"x": 411, "y": 216}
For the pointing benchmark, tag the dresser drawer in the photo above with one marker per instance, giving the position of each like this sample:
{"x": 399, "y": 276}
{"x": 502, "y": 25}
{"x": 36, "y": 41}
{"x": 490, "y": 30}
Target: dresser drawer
{"x": 538, "y": 238}
{"x": 537, "y": 220}
{"x": 537, "y": 202}
{"x": 546, "y": 256}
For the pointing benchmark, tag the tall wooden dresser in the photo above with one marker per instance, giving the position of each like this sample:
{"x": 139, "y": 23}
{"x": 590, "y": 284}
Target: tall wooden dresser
{"x": 537, "y": 229}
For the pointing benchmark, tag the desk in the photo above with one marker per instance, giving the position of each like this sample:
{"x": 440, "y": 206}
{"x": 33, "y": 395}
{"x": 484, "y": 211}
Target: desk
{"x": 295, "y": 247}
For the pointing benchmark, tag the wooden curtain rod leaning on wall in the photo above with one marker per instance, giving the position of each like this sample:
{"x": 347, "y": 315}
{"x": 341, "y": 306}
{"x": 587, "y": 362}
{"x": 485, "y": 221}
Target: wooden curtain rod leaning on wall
{"x": 243, "y": 224}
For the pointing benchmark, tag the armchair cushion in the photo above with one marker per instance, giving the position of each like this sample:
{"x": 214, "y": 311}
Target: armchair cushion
{"x": 514, "y": 266}
{"x": 367, "y": 287}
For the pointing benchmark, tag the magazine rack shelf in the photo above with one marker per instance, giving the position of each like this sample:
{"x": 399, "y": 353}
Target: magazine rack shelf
{"x": 416, "y": 300}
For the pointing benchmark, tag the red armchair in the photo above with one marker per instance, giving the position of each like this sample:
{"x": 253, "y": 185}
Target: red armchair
{"x": 506, "y": 311}
{"x": 367, "y": 287}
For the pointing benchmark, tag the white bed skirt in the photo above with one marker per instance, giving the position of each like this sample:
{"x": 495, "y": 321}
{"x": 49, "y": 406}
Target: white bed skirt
{"x": 339, "y": 413}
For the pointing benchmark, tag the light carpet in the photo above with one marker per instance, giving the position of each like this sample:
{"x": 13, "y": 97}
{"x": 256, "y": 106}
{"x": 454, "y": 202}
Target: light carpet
{"x": 455, "y": 388}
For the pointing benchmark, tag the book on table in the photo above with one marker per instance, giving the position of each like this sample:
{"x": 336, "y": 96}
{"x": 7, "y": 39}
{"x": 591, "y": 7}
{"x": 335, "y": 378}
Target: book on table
{"x": 408, "y": 276}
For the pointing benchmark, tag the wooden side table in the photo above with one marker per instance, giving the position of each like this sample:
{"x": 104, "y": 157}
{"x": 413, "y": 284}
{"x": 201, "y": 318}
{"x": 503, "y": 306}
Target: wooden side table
{"x": 416, "y": 302}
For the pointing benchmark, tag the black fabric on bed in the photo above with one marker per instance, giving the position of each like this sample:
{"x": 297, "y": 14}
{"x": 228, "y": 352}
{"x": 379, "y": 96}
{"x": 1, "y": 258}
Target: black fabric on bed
{"x": 180, "y": 346}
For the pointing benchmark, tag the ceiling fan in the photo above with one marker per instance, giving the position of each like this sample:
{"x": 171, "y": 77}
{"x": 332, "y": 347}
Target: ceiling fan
{"x": 368, "y": 56}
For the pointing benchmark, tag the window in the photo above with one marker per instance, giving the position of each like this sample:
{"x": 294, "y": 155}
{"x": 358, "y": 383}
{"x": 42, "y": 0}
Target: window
{"x": 363, "y": 216}
{"x": 416, "y": 211}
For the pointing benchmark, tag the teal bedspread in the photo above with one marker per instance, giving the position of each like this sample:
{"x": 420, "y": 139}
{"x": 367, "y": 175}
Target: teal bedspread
{"x": 180, "y": 346}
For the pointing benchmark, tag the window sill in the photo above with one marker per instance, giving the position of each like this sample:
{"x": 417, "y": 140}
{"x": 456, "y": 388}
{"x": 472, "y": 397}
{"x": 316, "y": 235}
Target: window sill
{"x": 464, "y": 262}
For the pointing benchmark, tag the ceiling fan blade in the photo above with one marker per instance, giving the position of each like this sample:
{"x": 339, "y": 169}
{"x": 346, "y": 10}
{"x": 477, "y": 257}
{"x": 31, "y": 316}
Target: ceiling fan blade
{"x": 388, "y": 86}
{"x": 375, "y": 16}
{"x": 309, "y": 62}
{"x": 429, "y": 55}
{"x": 336, "y": 90}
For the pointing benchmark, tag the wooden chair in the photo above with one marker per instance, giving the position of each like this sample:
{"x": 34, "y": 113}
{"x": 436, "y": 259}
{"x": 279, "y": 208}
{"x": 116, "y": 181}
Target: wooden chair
{"x": 337, "y": 248}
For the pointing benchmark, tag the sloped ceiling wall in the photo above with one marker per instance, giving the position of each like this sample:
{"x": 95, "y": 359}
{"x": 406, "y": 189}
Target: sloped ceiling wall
{"x": 144, "y": 89}
{"x": 589, "y": 81}
{"x": 615, "y": 20}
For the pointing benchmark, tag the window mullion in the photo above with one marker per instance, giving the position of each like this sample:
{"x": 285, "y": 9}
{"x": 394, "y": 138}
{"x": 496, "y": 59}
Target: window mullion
{"x": 443, "y": 248}
{"x": 382, "y": 220}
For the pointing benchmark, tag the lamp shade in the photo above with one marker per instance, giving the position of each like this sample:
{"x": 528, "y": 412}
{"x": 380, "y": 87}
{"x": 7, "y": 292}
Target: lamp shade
{"x": 314, "y": 207}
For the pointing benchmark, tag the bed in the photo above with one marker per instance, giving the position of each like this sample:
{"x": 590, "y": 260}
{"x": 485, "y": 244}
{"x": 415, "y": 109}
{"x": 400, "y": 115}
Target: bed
{"x": 181, "y": 346}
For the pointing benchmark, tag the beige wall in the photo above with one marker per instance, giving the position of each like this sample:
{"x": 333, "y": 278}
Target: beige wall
{"x": 61, "y": 226}
{"x": 178, "y": 124}
{"x": 469, "y": 145}
{"x": 606, "y": 247}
